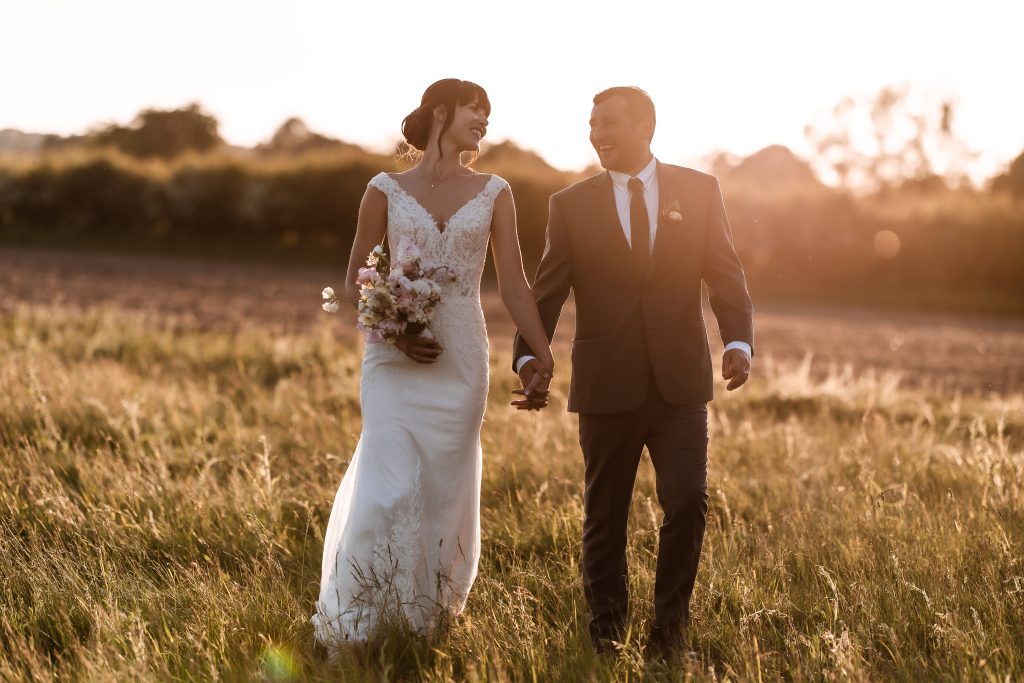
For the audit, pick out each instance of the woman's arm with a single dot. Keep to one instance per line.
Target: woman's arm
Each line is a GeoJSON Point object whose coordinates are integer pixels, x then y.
{"type": "Point", "coordinates": [515, 290]}
{"type": "Point", "coordinates": [371, 227]}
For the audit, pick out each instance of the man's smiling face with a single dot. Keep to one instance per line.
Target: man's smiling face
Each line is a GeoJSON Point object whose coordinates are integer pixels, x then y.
{"type": "Point", "coordinates": [622, 142]}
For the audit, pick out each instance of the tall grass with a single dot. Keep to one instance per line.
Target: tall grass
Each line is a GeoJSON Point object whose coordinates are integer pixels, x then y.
{"type": "Point", "coordinates": [164, 491]}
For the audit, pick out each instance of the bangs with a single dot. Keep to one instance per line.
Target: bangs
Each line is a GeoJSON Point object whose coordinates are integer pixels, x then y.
{"type": "Point", "coordinates": [470, 93]}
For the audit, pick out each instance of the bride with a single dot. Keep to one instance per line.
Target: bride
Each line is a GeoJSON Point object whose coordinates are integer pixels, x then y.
{"type": "Point", "coordinates": [403, 538]}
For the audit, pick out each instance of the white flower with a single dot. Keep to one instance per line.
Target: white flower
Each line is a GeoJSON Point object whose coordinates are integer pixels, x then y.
{"type": "Point", "coordinates": [407, 252]}
{"type": "Point", "coordinates": [328, 293]}
{"type": "Point", "coordinates": [331, 306]}
{"type": "Point", "coordinates": [378, 250]}
{"type": "Point", "coordinates": [672, 211]}
{"type": "Point", "coordinates": [422, 287]}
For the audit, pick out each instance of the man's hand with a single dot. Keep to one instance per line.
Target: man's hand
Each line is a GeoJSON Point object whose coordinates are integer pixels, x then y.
{"type": "Point", "coordinates": [535, 379]}
{"type": "Point", "coordinates": [735, 368]}
{"type": "Point", "coordinates": [420, 349]}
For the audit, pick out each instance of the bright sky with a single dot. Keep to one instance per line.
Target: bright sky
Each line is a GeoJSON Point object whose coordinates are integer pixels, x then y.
{"type": "Point", "coordinates": [725, 75]}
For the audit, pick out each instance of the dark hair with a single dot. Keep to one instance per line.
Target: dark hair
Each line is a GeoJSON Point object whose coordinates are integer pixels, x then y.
{"type": "Point", "coordinates": [638, 102]}
{"type": "Point", "coordinates": [448, 93]}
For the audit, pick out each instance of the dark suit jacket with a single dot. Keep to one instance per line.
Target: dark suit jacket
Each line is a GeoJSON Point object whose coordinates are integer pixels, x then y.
{"type": "Point", "coordinates": [629, 323]}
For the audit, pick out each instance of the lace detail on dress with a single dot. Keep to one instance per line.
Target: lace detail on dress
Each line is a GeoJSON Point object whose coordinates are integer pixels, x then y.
{"type": "Point", "coordinates": [384, 588]}
{"type": "Point", "coordinates": [463, 242]}
{"type": "Point", "coordinates": [395, 556]}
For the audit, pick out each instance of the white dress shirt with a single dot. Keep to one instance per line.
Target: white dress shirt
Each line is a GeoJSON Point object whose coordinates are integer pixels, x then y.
{"type": "Point", "coordinates": [620, 187]}
{"type": "Point", "coordinates": [648, 175]}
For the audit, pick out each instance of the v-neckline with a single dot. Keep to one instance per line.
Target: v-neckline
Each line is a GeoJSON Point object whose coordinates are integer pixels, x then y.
{"type": "Point", "coordinates": [440, 226]}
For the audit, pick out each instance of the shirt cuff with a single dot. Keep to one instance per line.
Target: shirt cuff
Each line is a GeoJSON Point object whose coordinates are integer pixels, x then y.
{"type": "Point", "coordinates": [523, 360]}
{"type": "Point", "coordinates": [742, 346]}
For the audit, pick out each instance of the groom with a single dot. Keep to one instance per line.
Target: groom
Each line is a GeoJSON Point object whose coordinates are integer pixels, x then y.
{"type": "Point", "coordinates": [634, 245]}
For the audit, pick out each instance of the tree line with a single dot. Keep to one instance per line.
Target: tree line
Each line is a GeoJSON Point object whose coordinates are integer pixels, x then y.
{"type": "Point", "coordinates": [167, 183]}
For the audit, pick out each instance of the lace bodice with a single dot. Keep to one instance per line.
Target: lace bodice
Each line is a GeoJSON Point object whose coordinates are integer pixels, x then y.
{"type": "Point", "coordinates": [463, 242]}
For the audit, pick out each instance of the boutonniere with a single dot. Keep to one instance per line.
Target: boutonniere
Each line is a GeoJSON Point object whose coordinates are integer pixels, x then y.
{"type": "Point", "coordinates": [671, 213]}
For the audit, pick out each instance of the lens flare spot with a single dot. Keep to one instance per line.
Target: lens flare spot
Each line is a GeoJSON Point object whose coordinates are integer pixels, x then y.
{"type": "Point", "coordinates": [278, 664]}
{"type": "Point", "coordinates": [887, 244]}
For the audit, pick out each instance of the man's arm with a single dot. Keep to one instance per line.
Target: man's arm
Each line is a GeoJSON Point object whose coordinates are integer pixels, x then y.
{"type": "Point", "coordinates": [742, 346]}
{"type": "Point", "coordinates": [727, 292]}
{"type": "Point", "coordinates": [723, 274]}
{"type": "Point", "coordinates": [523, 360]}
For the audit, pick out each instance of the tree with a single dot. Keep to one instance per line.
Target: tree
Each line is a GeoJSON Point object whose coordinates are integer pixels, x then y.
{"type": "Point", "coordinates": [773, 170]}
{"type": "Point", "coordinates": [294, 137]}
{"type": "Point", "coordinates": [891, 138]}
{"type": "Point", "coordinates": [1013, 180]}
{"type": "Point", "coordinates": [508, 158]}
{"type": "Point", "coordinates": [163, 133]}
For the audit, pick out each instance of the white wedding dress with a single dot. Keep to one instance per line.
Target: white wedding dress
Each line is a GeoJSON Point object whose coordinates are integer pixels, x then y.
{"type": "Point", "coordinates": [404, 534]}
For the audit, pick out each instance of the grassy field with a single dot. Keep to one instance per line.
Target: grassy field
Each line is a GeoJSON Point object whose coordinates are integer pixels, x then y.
{"type": "Point", "coordinates": [939, 352]}
{"type": "Point", "coordinates": [164, 488]}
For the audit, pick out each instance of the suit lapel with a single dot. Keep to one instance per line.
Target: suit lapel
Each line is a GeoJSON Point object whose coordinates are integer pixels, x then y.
{"type": "Point", "coordinates": [667, 232]}
{"type": "Point", "coordinates": [609, 228]}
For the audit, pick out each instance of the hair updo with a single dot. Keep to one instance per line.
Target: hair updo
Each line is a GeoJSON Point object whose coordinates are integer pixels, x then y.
{"type": "Point", "coordinates": [448, 93]}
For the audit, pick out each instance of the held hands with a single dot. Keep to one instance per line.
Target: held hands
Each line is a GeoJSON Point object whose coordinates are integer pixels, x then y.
{"type": "Point", "coordinates": [735, 368]}
{"type": "Point", "coordinates": [420, 349]}
{"type": "Point", "coordinates": [536, 378]}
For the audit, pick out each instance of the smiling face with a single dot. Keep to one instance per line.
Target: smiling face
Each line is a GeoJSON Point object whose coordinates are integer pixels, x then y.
{"type": "Point", "coordinates": [468, 127]}
{"type": "Point", "coordinates": [621, 139]}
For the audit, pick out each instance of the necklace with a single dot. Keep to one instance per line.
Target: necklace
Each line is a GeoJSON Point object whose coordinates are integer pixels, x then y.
{"type": "Point", "coordinates": [434, 180]}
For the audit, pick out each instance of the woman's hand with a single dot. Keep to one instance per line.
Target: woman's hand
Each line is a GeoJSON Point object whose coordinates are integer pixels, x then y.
{"type": "Point", "coordinates": [420, 349]}
{"type": "Point", "coordinates": [535, 378]}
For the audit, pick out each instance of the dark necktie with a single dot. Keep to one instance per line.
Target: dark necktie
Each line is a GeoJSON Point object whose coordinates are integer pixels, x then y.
{"type": "Point", "coordinates": [639, 224]}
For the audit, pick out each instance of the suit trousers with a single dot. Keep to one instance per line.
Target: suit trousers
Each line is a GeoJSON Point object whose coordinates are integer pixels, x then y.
{"type": "Point", "coordinates": [676, 437]}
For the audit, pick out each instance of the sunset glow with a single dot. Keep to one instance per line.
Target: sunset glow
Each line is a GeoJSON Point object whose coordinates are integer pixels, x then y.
{"type": "Point", "coordinates": [730, 76]}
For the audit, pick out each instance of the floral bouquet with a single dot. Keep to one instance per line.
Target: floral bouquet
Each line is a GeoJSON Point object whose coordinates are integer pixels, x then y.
{"type": "Point", "coordinates": [401, 303]}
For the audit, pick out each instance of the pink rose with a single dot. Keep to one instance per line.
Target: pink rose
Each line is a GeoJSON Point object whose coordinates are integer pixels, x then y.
{"type": "Point", "coordinates": [366, 276]}
{"type": "Point", "coordinates": [392, 326]}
